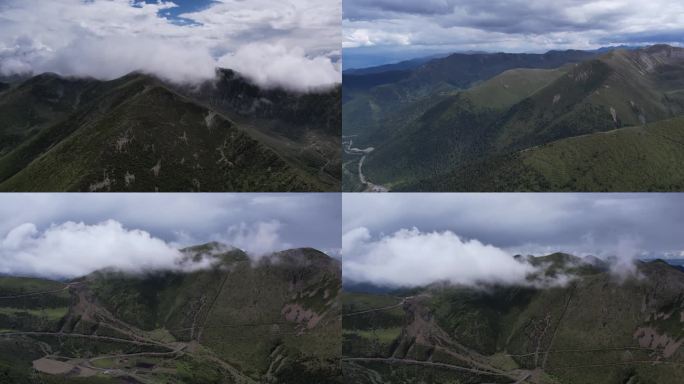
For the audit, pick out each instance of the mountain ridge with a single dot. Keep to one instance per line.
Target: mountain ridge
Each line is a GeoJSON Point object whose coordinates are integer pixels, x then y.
{"type": "Point", "coordinates": [418, 139]}
{"type": "Point", "coordinates": [68, 112]}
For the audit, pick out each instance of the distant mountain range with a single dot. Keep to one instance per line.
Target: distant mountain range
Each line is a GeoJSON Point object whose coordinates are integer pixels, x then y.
{"type": "Point", "coordinates": [139, 133]}
{"type": "Point", "coordinates": [594, 329]}
{"type": "Point", "coordinates": [239, 321]}
{"type": "Point", "coordinates": [416, 62]}
{"type": "Point", "coordinates": [605, 120]}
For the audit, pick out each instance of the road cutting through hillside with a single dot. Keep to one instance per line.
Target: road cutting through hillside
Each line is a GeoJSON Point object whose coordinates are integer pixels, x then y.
{"type": "Point", "coordinates": [137, 337]}
{"type": "Point", "coordinates": [392, 360]}
{"type": "Point", "coordinates": [84, 336]}
{"type": "Point", "coordinates": [400, 304]}
{"type": "Point", "coordinates": [581, 351]}
{"type": "Point", "coordinates": [30, 294]}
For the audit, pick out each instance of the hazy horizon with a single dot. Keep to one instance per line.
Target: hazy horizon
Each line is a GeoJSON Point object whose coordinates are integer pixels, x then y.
{"type": "Point", "coordinates": [376, 29]}
{"type": "Point", "coordinates": [373, 59]}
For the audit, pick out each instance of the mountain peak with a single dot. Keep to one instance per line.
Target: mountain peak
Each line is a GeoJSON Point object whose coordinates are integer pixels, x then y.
{"type": "Point", "coordinates": [659, 48]}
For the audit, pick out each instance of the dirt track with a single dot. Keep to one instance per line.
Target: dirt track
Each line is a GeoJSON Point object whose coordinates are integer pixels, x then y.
{"type": "Point", "coordinates": [400, 304]}
{"type": "Point", "coordinates": [66, 287]}
{"type": "Point", "coordinates": [391, 360]}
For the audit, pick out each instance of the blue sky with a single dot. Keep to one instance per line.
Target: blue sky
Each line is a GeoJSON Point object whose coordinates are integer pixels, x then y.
{"type": "Point", "coordinates": [183, 6]}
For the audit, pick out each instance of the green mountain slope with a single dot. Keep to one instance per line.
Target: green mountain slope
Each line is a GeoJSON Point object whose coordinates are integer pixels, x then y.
{"type": "Point", "coordinates": [456, 71]}
{"type": "Point", "coordinates": [275, 321]}
{"type": "Point", "coordinates": [464, 132]}
{"type": "Point", "coordinates": [137, 133]}
{"type": "Point", "coordinates": [628, 159]}
{"type": "Point", "coordinates": [510, 87]}
{"type": "Point", "coordinates": [455, 129]}
{"type": "Point", "coordinates": [38, 103]}
{"type": "Point", "coordinates": [621, 88]}
{"type": "Point", "coordinates": [596, 329]}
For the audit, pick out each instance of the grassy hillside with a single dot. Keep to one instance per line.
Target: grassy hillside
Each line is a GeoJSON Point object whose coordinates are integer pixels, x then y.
{"type": "Point", "coordinates": [385, 96]}
{"type": "Point", "coordinates": [271, 321]}
{"type": "Point", "coordinates": [628, 159]}
{"type": "Point", "coordinates": [595, 329]}
{"type": "Point", "coordinates": [456, 128]}
{"type": "Point", "coordinates": [454, 139]}
{"type": "Point", "coordinates": [508, 88]}
{"type": "Point", "coordinates": [139, 134]}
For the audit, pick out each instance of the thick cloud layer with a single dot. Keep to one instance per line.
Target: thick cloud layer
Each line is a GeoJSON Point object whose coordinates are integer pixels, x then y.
{"type": "Point", "coordinates": [275, 65]}
{"type": "Point", "coordinates": [74, 249]}
{"type": "Point", "coordinates": [417, 27]}
{"type": "Point", "coordinates": [379, 245]}
{"type": "Point", "coordinates": [264, 39]}
{"type": "Point", "coordinates": [69, 234]}
{"type": "Point", "coordinates": [409, 257]}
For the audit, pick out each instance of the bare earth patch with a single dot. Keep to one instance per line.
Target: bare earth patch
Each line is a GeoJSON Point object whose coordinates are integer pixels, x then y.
{"type": "Point", "coordinates": [298, 314]}
{"type": "Point", "coordinates": [650, 338]}
{"type": "Point", "coordinates": [52, 367]}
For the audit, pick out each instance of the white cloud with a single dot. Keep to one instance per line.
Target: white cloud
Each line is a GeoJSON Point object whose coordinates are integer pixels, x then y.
{"type": "Point", "coordinates": [529, 223]}
{"type": "Point", "coordinates": [510, 25]}
{"type": "Point", "coordinates": [410, 257]}
{"type": "Point", "coordinates": [257, 239]}
{"type": "Point", "coordinates": [617, 228]}
{"type": "Point", "coordinates": [271, 65]}
{"type": "Point", "coordinates": [173, 61]}
{"type": "Point", "coordinates": [363, 37]}
{"type": "Point", "coordinates": [74, 249]}
{"type": "Point", "coordinates": [626, 253]}
{"type": "Point", "coordinates": [106, 39]}
{"type": "Point", "coordinates": [184, 219]}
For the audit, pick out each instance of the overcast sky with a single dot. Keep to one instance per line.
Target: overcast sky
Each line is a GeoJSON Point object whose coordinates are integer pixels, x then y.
{"type": "Point", "coordinates": [419, 238]}
{"type": "Point", "coordinates": [73, 234]}
{"type": "Point", "coordinates": [381, 31]}
{"type": "Point", "coordinates": [290, 43]}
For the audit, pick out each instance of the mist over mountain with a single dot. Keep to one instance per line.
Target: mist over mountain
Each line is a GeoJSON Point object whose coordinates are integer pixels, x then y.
{"type": "Point", "coordinates": [593, 329]}
{"type": "Point", "coordinates": [70, 249]}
